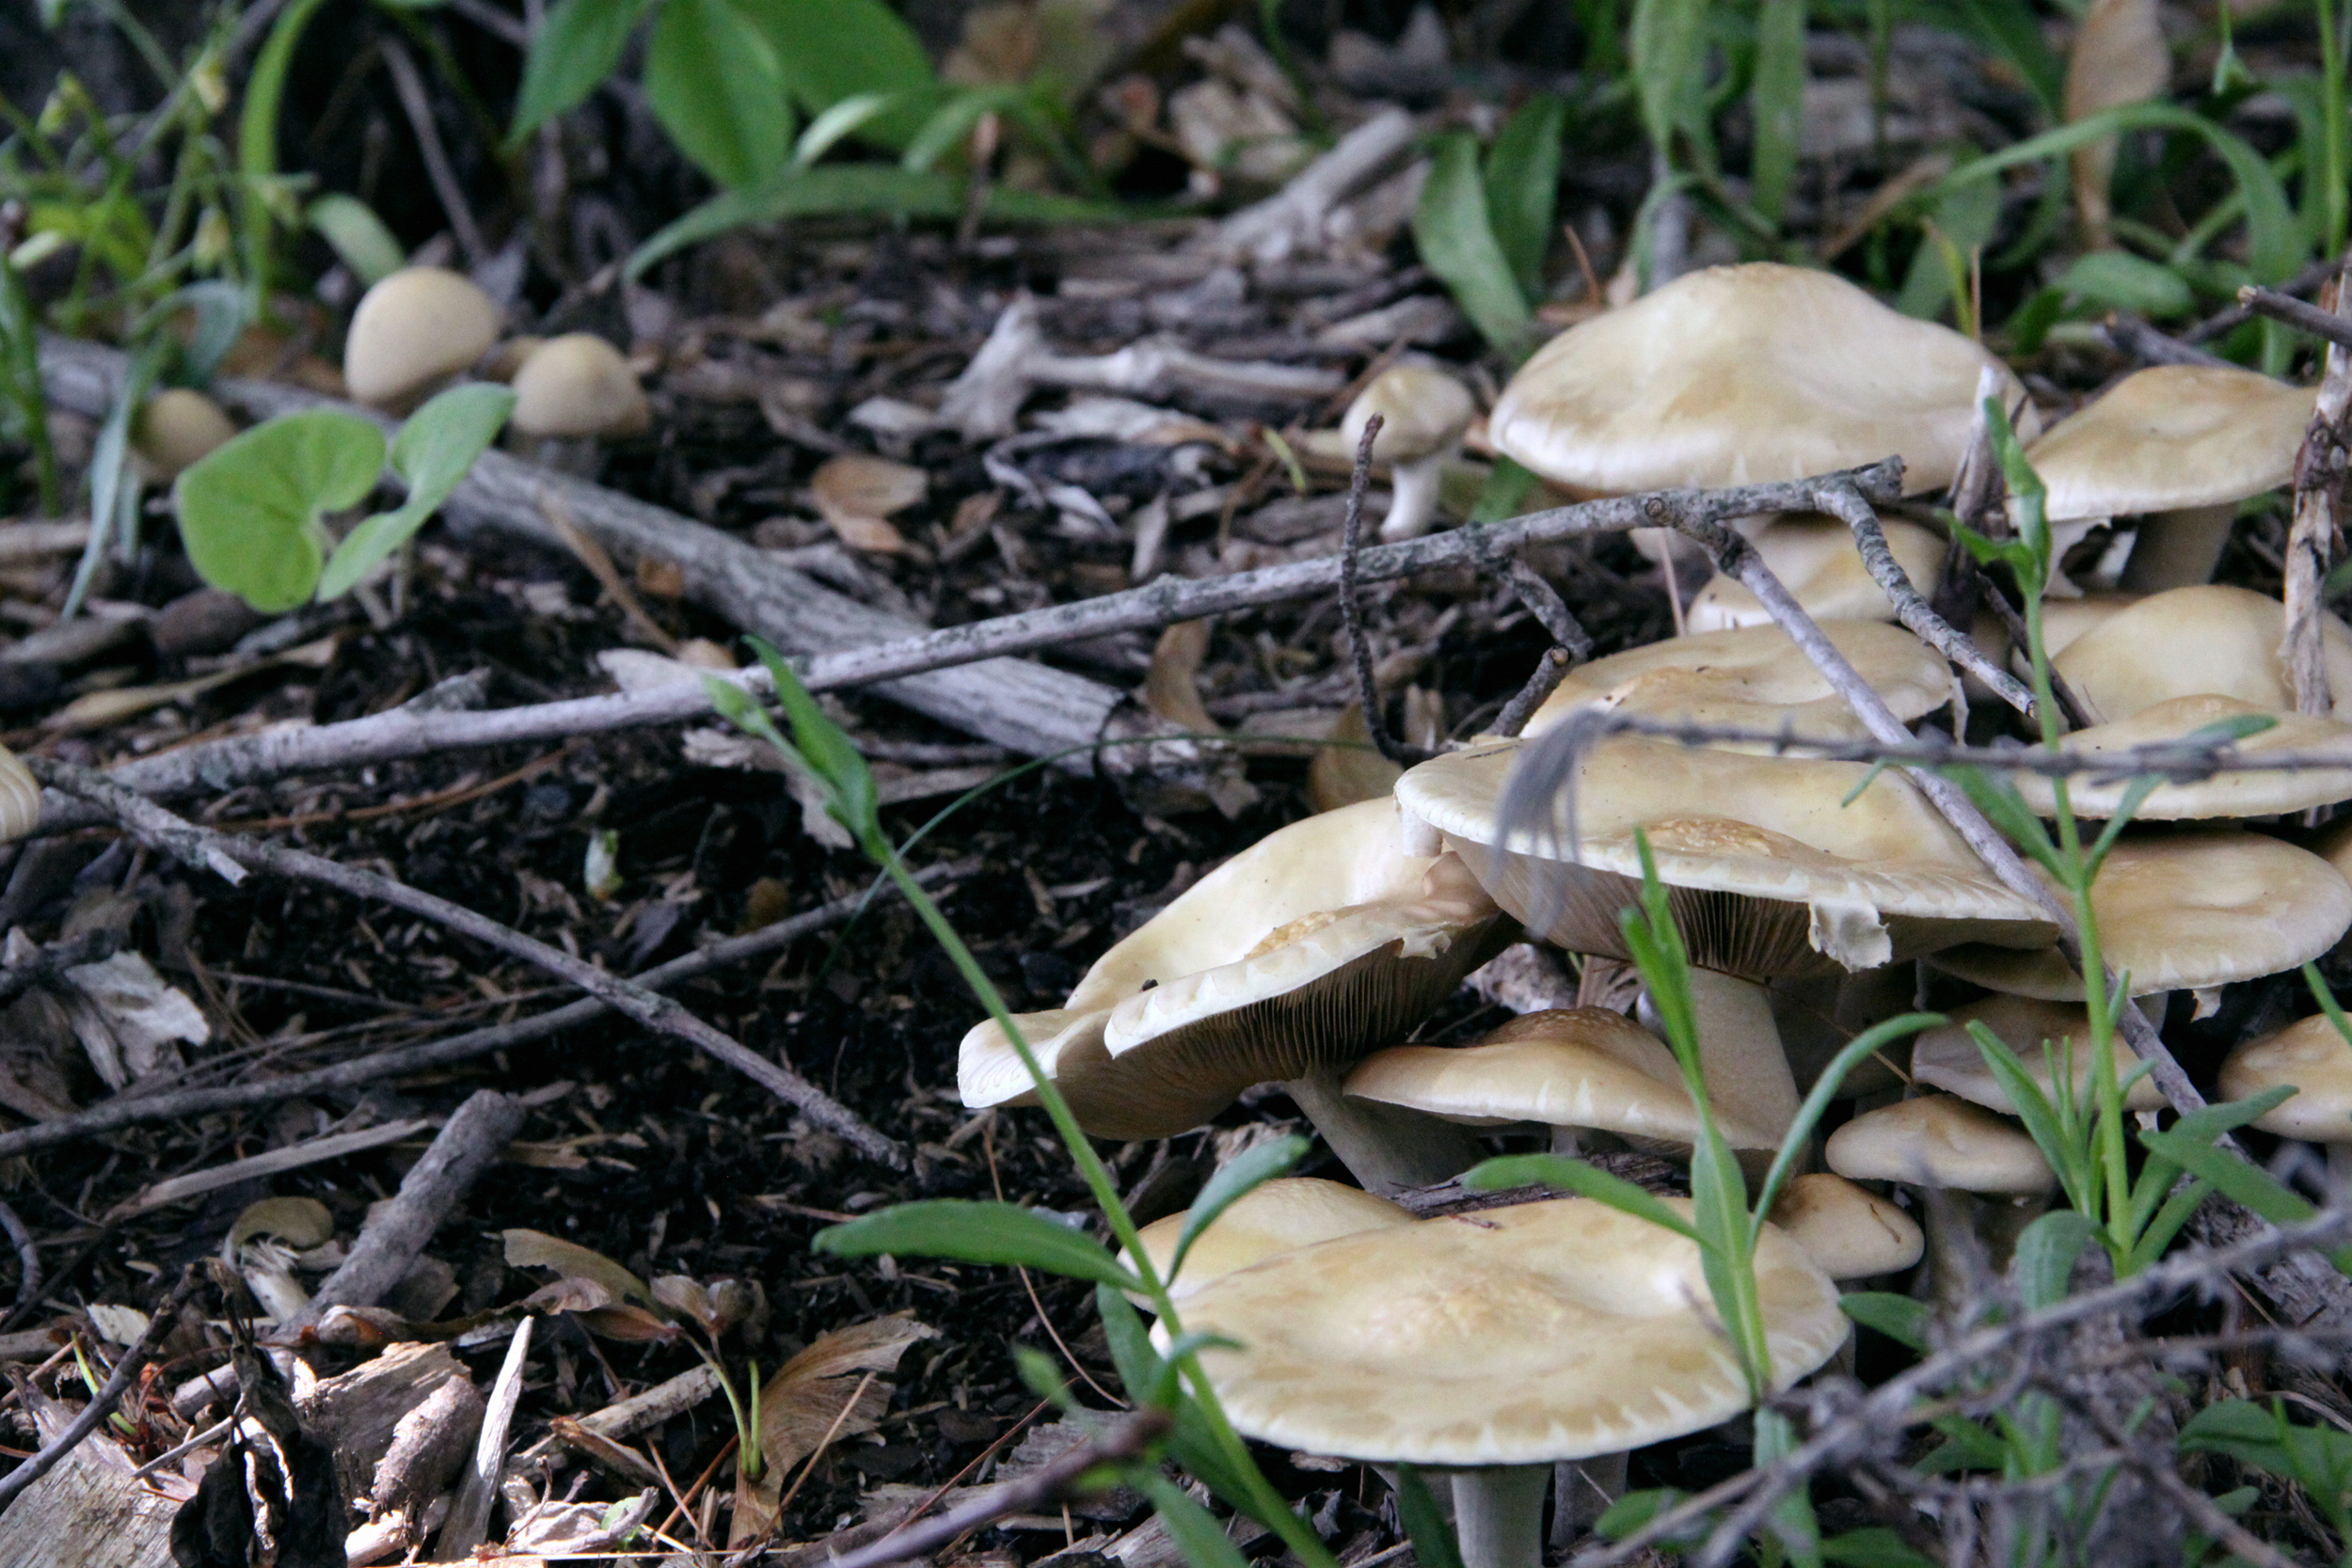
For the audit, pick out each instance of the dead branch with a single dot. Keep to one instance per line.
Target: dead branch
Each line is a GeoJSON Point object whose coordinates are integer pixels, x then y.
{"type": "Point", "coordinates": [126, 1370]}
{"type": "Point", "coordinates": [1352, 607]}
{"type": "Point", "coordinates": [2323, 496]}
{"type": "Point", "coordinates": [1922, 621]}
{"type": "Point", "coordinates": [2304, 317]}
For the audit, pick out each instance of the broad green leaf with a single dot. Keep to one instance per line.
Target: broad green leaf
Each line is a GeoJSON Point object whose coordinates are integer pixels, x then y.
{"type": "Point", "coordinates": [1523, 186]}
{"type": "Point", "coordinates": [2043, 1261]}
{"type": "Point", "coordinates": [1557, 1170]}
{"type": "Point", "coordinates": [1900, 1318]}
{"type": "Point", "coordinates": [577, 47]}
{"type": "Point", "coordinates": [713, 82]}
{"type": "Point", "coordinates": [830, 50]}
{"type": "Point", "coordinates": [1198, 1535]}
{"type": "Point", "coordinates": [431, 453]}
{"type": "Point", "coordinates": [1425, 1524]}
{"type": "Point", "coordinates": [1873, 1546]}
{"type": "Point", "coordinates": [1669, 48]}
{"type": "Point", "coordinates": [1776, 103]}
{"type": "Point", "coordinates": [1235, 1180]}
{"type": "Point", "coordinates": [249, 510]}
{"type": "Point", "coordinates": [1457, 242]}
{"type": "Point", "coordinates": [843, 118]}
{"type": "Point", "coordinates": [976, 1233]}
{"type": "Point", "coordinates": [357, 237]}
{"type": "Point", "coordinates": [2121, 281]}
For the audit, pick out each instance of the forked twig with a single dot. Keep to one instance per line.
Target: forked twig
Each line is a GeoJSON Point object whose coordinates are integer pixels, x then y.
{"type": "Point", "coordinates": [1352, 610]}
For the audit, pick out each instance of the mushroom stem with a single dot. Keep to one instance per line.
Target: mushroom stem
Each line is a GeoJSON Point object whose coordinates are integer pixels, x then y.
{"type": "Point", "coordinates": [2178, 550]}
{"type": "Point", "coordinates": [1741, 1057]}
{"type": "Point", "coordinates": [1499, 1515]}
{"type": "Point", "coordinates": [1387, 1147]}
{"type": "Point", "coordinates": [1412, 498]}
{"type": "Point", "coordinates": [2339, 1170]}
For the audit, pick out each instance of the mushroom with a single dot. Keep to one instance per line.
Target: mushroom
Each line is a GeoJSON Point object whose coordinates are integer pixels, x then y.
{"type": "Point", "coordinates": [176, 427]}
{"type": "Point", "coordinates": [2313, 1057]}
{"type": "Point", "coordinates": [1850, 1231]}
{"type": "Point", "coordinates": [2178, 446]}
{"type": "Point", "coordinates": [2252, 792]}
{"type": "Point", "coordinates": [577, 387]}
{"type": "Point", "coordinates": [1572, 1068]}
{"type": "Point", "coordinates": [1940, 1141]}
{"type": "Point", "coordinates": [1499, 1343]}
{"type": "Point", "coordinates": [20, 798]}
{"type": "Point", "coordinates": [1817, 560]}
{"type": "Point", "coordinates": [1422, 413]}
{"type": "Point", "coordinates": [1323, 942]}
{"type": "Point", "coordinates": [2215, 640]}
{"type": "Point", "coordinates": [414, 328]}
{"type": "Point", "coordinates": [1774, 866]}
{"type": "Point", "coordinates": [1272, 1217]}
{"type": "Point", "coordinates": [2041, 1034]}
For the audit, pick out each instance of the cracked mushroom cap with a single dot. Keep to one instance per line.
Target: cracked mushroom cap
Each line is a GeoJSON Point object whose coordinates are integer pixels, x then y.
{"type": "Point", "coordinates": [1938, 1140]}
{"type": "Point", "coordinates": [1423, 410]}
{"type": "Point", "coordinates": [1320, 942]}
{"type": "Point", "coordinates": [1273, 1217]}
{"type": "Point", "coordinates": [1946, 1057]}
{"type": "Point", "coordinates": [1771, 870]}
{"type": "Point", "coordinates": [579, 386]}
{"type": "Point", "coordinates": [1518, 1336]}
{"type": "Point", "coordinates": [1755, 678]}
{"type": "Point", "coordinates": [2184, 911]}
{"type": "Point", "coordinates": [1850, 1231]}
{"type": "Point", "coordinates": [1740, 376]}
{"type": "Point", "coordinates": [2236, 794]}
{"type": "Point", "coordinates": [2313, 1057]}
{"type": "Point", "coordinates": [413, 329]}
{"type": "Point", "coordinates": [2171, 437]}
{"type": "Point", "coordinates": [2215, 641]}
{"type": "Point", "coordinates": [1571, 1067]}
{"type": "Point", "coordinates": [1817, 560]}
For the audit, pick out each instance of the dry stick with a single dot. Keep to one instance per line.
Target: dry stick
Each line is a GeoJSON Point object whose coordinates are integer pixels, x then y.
{"type": "Point", "coordinates": [1352, 608]}
{"type": "Point", "coordinates": [1921, 620]}
{"type": "Point", "coordinates": [2297, 313]}
{"type": "Point", "coordinates": [194, 846]}
{"type": "Point", "coordinates": [2231, 317]}
{"type": "Point", "coordinates": [385, 1065]}
{"type": "Point", "coordinates": [165, 1318]}
{"type": "Point", "coordinates": [2323, 498]}
{"type": "Point", "coordinates": [28, 1255]}
{"type": "Point", "coordinates": [1572, 646]}
{"type": "Point", "coordinates": [2134, 338]}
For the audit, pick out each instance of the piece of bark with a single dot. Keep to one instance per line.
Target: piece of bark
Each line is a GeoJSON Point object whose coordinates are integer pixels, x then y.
{"type": "Point", "coordinates": [428, 1449]}
{"type": "Point", "coordinates": [470, 1515]}
{"type": "Point", "coordinates": [359, 1413]}
{"type": "Point", "coordinates": [87, 1512]}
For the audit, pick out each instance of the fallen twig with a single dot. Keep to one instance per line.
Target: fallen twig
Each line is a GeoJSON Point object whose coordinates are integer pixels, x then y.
{"type": "Point", "coordinates": [2323, 497]}
{"type": "Point", "coordinates": [126, 1370]}
{"type": "Point", "coordinates": [2299, 314]}
{"type": "Point", "coordinates": [1352, 608]}
{"type": "Point", "coordinates": [28, 1255]}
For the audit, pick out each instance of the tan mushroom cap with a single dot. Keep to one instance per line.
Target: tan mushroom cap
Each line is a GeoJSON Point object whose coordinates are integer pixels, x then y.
{"type": "Point", "coordinates": [2065, 620]}
{"type": "Point", "coordinates": [1318, 943]}
{"type": "Point", "coordinates": [1743, 374]}
{"type": "Point", "coordinates": [1817, 560]}
{"type": "Point", "coordinates": [1938, 1140]}
{"type": "Point", "coordinates": [1946, 1057]}
{"type": "Point", "coordinates": [1518, 1336]}
{"type": "Point", "coordinates": [1850, 1231]}
{"type": "Point", "coordinates": [175, 428]}
{"type": "Point", "coordinates": [1423, 410]}
{"type": "Point", "coordinates": [2313, 1057]}
{"type": "Point", "coordinates": [2182, 911]}
{"type": "Point", "coordinates": [579, 386]}
{"type": "Point", "coordinates": [413, 329]}
{"type": "Point", "coordinates": [2171, 437]}
{"type": "Point", "coordinates": [2209, 640]}
{"type": "Point", "coordinates": [1276, 1216]}
{"type": "Point", "coordinates": [20, 798]}
{"type": "Point", "coordinates": [1573, 1066]}
{"type": "Point", "coordinates": [1772, 872]}
{"type": "Point", "coordinates": [1755, 678]}
{"type": "Point", "coordinates": [2225, 794]}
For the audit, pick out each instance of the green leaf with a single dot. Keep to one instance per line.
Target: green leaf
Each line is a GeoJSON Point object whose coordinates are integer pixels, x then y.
{"type": "Point", "coordinates": [1900, 1318]}
{"type": "Point", "coordinates": [830, 50]}
{"type": "Point", "coordinates": [1635, 1510]}
{"type": "Point", "coordinates": [827, 749]}
{"type": "Point", "coordinates": [257, 129]}
{"type": "Point", "coordinates": [433, 453]}
{"type": "Point", "coordinates": [713, 82]}
{"type": "Point", "coordinates": [1457, 242]}
{"type": "Point", "coordinates": [577, 47]}
{"type": "Point", "coordinates": [1798, 1141]}
{"type": "Point", "coordinates": [843, 119]}
{"type": "Point", "coordinates": [1776, 103]}
{"type": "Point", "coordinates": [976, 1233]}
{"type": "Point", "coordinates": [1503, 494]}
{"type": "Point", "coordinates": [357, 237]}
{"type": "Point", "coordinates": [1506, 1171]}
{"type": "Point", "coordinates": [2121, 281]}
{"type": "Point", "coordinates": [1043, 1378]}
{"type": "Point", "coordinates": [1425, 1524]}
{"type": "Point", "coordinates": [1792, 1520]}
{"type": "Point", "coordinates": [1130, 1342]}
{"type": "Point", "coordinates": [1669, 48]}
{"type": "Point", "coordinates": [218, 312]}
{"type": "Point", "coordinates": [1198, 1535]}
{"type": "Point", "coordinates": [1523, 186]}
{"type": "Point", "coordinates": [2013, 28]}
{"type": "Point", "coordinates": [2043, 1261]}
{"type": "Point", "coordinates": [945, 127]}
{"type": "Point", "coordinates": [1873, 1546]}
{"type": "Point", "coordinates": [1235, 1180]}
{"type": "Point", "coordinates": [249, 510]}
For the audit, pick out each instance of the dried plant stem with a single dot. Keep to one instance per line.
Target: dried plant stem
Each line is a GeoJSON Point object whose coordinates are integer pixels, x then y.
{"type": "Point", "coordinates": [1352, 608]}
{"type": "Point", "coordinates": [2322, 496]}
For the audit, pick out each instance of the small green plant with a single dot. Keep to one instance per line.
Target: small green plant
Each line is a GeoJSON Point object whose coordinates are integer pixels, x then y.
{"type": "Point", "coordinates": [1485, 226]}
{"type": "Point", "coordinates": [252, 513]}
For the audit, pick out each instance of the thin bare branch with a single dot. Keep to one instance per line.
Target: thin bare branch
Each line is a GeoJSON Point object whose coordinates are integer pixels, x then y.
{"type": "Point", "coordinates": [126, 1370]}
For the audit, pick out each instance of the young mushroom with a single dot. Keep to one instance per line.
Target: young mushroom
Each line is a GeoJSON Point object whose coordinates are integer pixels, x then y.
{"type": "Point", "coordinates": [578, 386]}
{"type": "Point", "coordinates": [1850, 1231]}
{"type": "Point", "coordinates": [413, 331]}
{"type": "Point", "coordinates": [2217, 641]}
{"type": "Point", "coordinates": [1276, 1217]}
{"type": "Point", "coordinates": [1940, 1141]}
{"type": "Point", "coordinates": [1422, 413]}
{"type": "Point", "coordinates": [175, 428]}
{"type": "Point", "coordinates": [2312, 1057]}
{"type": "Point", "coordinates": [1497, 1344]}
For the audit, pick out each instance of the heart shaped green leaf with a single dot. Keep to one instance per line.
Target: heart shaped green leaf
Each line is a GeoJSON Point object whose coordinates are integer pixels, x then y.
{"type": "Point", "coordinates": [249, 512]}
{"type": "Point", "coordinates": [434, 451]}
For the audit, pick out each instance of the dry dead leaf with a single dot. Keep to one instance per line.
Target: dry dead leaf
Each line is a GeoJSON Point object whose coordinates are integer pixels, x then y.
{"type": "Point", "coordinates": [2119, 56]}
{"type": "Point", "coordinates": [536, 1249]}
{"type": "Point", "coordinates": [1172, 690]}
{"type": "Point", "coordinates": [1343, 775]}
{"type": "Point", "coordinates": [811, 1396]}
{"type": "Point", "coordinates": [856, 495]}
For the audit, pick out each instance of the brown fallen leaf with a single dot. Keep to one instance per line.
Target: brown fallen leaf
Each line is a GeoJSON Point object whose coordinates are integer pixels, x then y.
{"type": "Point", "coordinates": [1172, 690]}
{"type": "Point", "coordinates": [1343, 775]}
{"type": "Point", "coordinates": [856, 495]}
{"type": "Point", "coordinates": [829, 1388]}
{"type": "Point", "coordinates": [2119, 56]}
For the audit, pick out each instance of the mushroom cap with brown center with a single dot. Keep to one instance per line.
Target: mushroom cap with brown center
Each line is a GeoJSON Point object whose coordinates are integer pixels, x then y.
{"type": "Point", "coordinates": [1518, 1336]}
{"type": "Point", "coordinates": [1939, 1140]}
{"type": "Point", "coordinates": [1572, 1066]}
{"type": "Point", "coordinates": [413, 329]}
{"type": "Point", "coordinates": [1850, 1231]}
{"type": "Point", "coordinates": [1817, 562]}
{"type": "Point", "coordinates": [1423, 410]}
{"type": "Point", "coordinates": [1740, 375]}
{"type": "Point", "coordinates": [1946, 1057]}
{"type": "Point", "coordinates": [2171, 437]}
{"type": "Point", "coordinates": [579, 386]}
{"type": "Point", "coordinates": [2312, 1057]}
{"type": "Point", "coordinates": [1273, 1217]}
{"type": "Point", "coordinates": [2255, 792]}
{"type": "Point", "coordinates": [2185, 911]}
{"type": "Point", "coordinates": [2207, 640]}
{"type": "Point", "coordinates": [1753, 677]}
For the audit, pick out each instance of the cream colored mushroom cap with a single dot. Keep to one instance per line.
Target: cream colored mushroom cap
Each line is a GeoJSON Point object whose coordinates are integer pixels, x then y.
{"type": "Point", "coordinates": [1740, 376]}
{"type": "Point", "coordinates": [2209, 640]}
{"type": "Point", "coordinates": [2065, 620]}
{"type": "Point", "coordinates": [1276, 1216]}
{"type": "Point", "coordinates": [411, 330]}
{"type": "Point", "coordinates": [1817, 560]}
{"type": "Point", "coordinates": [2311, 1055]}
{"type": "Point", "coordinates": [1423, 410]}
{"type": "Point", "coordinates": [175, 428]}
{"type": "Point", "coordinates": [1753, 677]}
{"type": "Point", "coordinates": [2171, 437]}
{"type": "Point", "coordinates": [1571, 1067]}
{"type": "Point", "coordinates": [20, 798]}
{"type": "Point", "coordinates": [2255, 793]}
{"type": "Point", "coordinates": [1822, 880]}
{"type": "Point", "coordinates": [2182, 911]}
{"type": "Point", "coordinates": [1518, 1336]}
{"type": "Point", "coordinates": [1850, 1231]}
{"type": "Point", "coordinates": [1946, 1057]}
{"type": "Point", "coordinates": [1938, 1140]}
{"type": "Point", "coordinates": [578, 386]}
